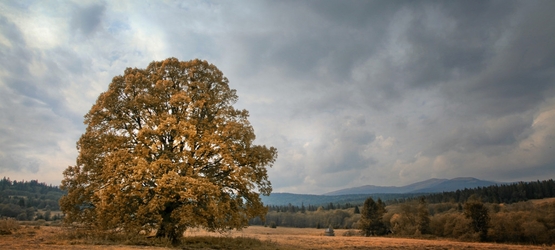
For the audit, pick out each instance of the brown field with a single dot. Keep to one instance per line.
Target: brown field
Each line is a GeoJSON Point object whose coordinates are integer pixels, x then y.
{"type": "Point", "coordinates": [543, 201]}
{"type": "Point", "coordinates": [280, 238]}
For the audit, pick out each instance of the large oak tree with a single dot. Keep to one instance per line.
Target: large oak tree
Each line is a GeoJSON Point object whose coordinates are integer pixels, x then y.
{"type": "Point", "coordinates": [165, 150]}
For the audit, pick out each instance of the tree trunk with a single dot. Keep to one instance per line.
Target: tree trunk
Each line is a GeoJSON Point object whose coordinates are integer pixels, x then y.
{"type": "Point", "coordinates": [168, 229]}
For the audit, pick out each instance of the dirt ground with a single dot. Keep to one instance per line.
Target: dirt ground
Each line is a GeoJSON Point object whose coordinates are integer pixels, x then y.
{"type": "Point", "coordinates": [45, 237]}
{"type": "Point", "coordinates": [284, 238]}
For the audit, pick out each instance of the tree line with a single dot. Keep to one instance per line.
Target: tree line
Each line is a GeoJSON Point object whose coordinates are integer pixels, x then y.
{"type": "Point", "coordinates": [28, 200]}
{"type": "Point", "coordinates": [503, 193]}
{"type": "Point", "coordinates": [530, 222]}
{"type": "Point", "coordinates": [311, 208]}
{"type": "Point", "coordinates": [470, 214]}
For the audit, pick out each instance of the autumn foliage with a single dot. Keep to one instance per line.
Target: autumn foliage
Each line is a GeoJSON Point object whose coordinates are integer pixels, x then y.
{"type": "Point", "coordinates": [164, 150]}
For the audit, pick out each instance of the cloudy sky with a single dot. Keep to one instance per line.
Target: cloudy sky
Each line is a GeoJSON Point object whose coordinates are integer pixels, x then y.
{"type": "Point", "coordinates": [350, 92]}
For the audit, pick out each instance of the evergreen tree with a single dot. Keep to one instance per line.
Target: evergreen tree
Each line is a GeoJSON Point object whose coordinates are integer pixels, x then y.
{"type": "Point", "coordinates": [478, 213]}
{"type": "Point", "coordinates": [423, 217]}
{"type": "Point", "coordinates": [371, 220]}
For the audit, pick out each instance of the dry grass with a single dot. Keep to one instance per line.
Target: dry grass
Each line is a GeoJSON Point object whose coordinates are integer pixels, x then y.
{"type": "Point", "coordinates": [308, 238]}
{"type": "Point", "coordinates": [256, 237]}
{"type": "Point", "coordinates": [45, 237]}
{"type": "Point", "coordinates": [543, 201]}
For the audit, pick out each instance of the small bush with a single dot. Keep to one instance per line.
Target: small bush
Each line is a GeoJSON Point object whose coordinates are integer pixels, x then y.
{"type": "Point", "coordinates": [8, 226]}
{"type": "Point", "coordinates": [273, 224]}
{"type": "Point", "coordinates": [352, 233]}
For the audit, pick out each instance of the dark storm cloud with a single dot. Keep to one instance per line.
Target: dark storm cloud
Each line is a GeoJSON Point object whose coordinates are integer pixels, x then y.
{"type": "Point", "coordinates": [460, 77]}
{"type": "Point", "coordinates": [491, 137]}
{"type": "Point", "coordinates": [511, 76]}
{"type": "Point", "coordinates": [499, 52]}
{"type": "Point", "coordinates": [448, 40]}
{"type": "Point", "coordinates": [525, 70]}
{"type": "Point", "coordinates": [445, 42]}
{"type": "Point", "coordinates": [355, 14]}
{"type": "Point", "coordinates": [300, 37]}
{"type": "Point", "coordinates": [87, 18]}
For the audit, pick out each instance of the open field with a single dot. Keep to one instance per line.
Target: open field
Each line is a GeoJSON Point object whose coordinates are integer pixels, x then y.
{"type": "Point", "coordinates": [309, 238]}
{"type": "Point", "coordinates": [543, 201]}
{"type": "Point", "coordinates": [280, 238]}
{"type": "Point", "coordinates": [29, 237]}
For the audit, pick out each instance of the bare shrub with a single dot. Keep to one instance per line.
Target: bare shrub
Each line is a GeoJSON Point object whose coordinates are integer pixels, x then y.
{"type": "Point", "coordinates": [8, 226]}
{"type": "Point", "coordinates": [353, 233]}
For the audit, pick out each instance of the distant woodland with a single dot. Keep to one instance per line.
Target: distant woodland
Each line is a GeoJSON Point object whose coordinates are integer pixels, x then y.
{"type": "Point", "coordinates": [29, 200]}
{"type": "Point", "coordinates": [516, 213]}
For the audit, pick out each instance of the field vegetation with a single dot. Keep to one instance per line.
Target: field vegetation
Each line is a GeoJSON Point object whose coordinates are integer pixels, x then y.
{"type": "Point", "coordinates": [527, 222]}
{"type": "Point", "coordinates": [469, 215]}
{"type": "Point", "coordinates": [253, 237]}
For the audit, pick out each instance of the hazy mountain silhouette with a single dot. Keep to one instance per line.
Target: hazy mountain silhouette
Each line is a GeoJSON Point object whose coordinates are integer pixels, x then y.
{"type": "Point", "coordinates": [357, 195]}
{"type": "Point", "coordinates": [427, 186]}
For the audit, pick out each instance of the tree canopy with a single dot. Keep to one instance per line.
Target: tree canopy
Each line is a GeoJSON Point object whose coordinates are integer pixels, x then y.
{"type": "Point", "coordinates": [371, 220]}
{"type": "Point", "coordinates": [165, 150]}
{"type": "Point", "coordinates": [478, 213]}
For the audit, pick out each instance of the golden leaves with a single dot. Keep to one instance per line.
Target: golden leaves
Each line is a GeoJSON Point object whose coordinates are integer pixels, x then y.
{"type": "Point", "coordinates": [164, 147]}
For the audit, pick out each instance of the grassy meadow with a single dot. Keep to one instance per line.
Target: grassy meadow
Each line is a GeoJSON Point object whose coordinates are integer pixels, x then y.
{"type": "Point", "coordinates": [254, 237]}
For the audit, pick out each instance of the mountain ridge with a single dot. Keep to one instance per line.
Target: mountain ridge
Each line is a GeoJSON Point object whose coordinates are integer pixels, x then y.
{"type": "Point", "coordinates": [433, 185]}
{"type": "Point", "coordinates": [357, 195]}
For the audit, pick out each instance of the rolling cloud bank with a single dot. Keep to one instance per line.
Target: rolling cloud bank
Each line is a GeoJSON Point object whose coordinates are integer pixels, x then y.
{"type": "Point", "coordinates": [350, 92]}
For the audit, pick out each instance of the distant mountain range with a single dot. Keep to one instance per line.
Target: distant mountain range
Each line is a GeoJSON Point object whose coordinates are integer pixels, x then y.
{"type": "Point", "coordinates": [359, 194]}
{"type": "Point", "coordinates": [283, 199]}
{"type": "Point", "coordinates": [427, 186]}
